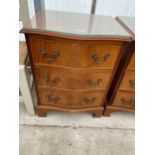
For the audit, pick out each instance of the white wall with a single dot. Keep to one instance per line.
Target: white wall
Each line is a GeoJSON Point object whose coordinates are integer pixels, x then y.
{"type": "Point", "coordinates": [83, 6]}
{"type": "Point", "coordinates": [31, 14]}
{"type": "Point", "coordinates": [31, 8]}
{"type": "Point", "coordinates": [21, 36]}
{"type": "Point", "coordinates": [103, 7]}
{"type": "Point", "coordinates": [116, 7]}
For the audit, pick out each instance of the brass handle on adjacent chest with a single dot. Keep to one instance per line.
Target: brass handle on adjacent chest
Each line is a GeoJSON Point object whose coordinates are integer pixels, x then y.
{"type": "Point", "coordinates": [54, 81]}
{"type": "Point", "coordinates": [95, 57]}
{"type": "Point", "coordinates": [51, 57]}
{"type": "Point", "coordinates": [94, 83]}
{"type": "Point", "coordinates": [89, 101]}
{"type": "Point", "coordinates": [130, 102]}
{"type": "Point", "coordinates": [132, 82]}
{"type": "Point", "coordinates": [49, 99]}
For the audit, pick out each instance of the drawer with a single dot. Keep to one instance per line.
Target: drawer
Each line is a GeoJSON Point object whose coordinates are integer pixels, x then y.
{"type": "Point", "coordinates": [132, 62]}
{"type": "Point", "coordinates": [75, 53]}
{"type": "Point", "coordinates": [124, 99]}
{"type": "Point", "coordinates": [65, 98]}
{"type": "Point", "coordinates": [53, 52]}
{"type": "Point", "coordinates": [72, 79]}
{"type": "Point", "coordinates": [128, 82]}
{"type": "Point", "coordinates": [99, 54]}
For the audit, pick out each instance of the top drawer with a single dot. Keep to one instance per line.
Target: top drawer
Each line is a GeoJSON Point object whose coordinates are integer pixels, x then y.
{"type": "Point", "coordinates": [79, 54]}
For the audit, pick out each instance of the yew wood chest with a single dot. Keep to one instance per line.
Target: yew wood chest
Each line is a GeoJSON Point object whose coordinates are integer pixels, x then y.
{"type": "Point", "coordinates": [74, 58]}
{"type": "Point", "coordinates": [121, 95]}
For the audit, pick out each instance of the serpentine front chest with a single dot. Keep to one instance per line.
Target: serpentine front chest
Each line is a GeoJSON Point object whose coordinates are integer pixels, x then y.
{"type": "Point", "coordinates": [74, 58]}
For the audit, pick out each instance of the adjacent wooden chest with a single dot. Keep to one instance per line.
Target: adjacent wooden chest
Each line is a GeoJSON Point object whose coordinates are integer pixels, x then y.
{"type": "Point", "coordinates": [121, 96]}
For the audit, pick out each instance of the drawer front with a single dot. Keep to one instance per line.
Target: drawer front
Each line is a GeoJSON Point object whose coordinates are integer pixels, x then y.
{"type": "Point", "coordinates": [75, 53]}
{"type": "Point", "coordinates": [132, 62]}
{"type": "Point", "coordinates": [53, 52]}
{"type": "Point", "coordinates": [128, 82]}
{"type": "Point", "coordinates": [99, 54]}
{"type": "Point", "coordinates": [124, 99]}
{"type": "Point", "coordinates": [60, 78]}
{"type": "Point", "coordinates": [64, 98]}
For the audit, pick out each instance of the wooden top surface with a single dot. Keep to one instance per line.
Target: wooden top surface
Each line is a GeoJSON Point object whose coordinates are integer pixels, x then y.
{"type": "Point", "coordinates": [74, 24]}
{"type": "Point", "coordinates": [128, 23]}
{"type": "Point", "coordinates": [22, 52]}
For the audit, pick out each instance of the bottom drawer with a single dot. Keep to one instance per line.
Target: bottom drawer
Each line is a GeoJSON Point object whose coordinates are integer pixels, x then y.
{"type": "Point", "coordinates": [68, 98]}
{"type": "Point", "coordinates": [124, 99]}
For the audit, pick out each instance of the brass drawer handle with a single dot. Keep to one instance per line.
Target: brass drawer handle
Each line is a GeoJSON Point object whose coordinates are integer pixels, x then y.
{"type": "Point", "coordinates": [54, 81]}
{"type": "Point", "coordinates": [132, 82]}
{"type": "Point", "coordinates": [89, 101]}
{"type": "Point", "coordinates": [130, 102]}
{"type": "Point", "coordinates": [49, 99]}
{"type": "Point", "coordinates": [95, 83]}
{"type": "Point", "coordinates": [51, 57]}
{"type": "Point", "coordinates": [96, 57]}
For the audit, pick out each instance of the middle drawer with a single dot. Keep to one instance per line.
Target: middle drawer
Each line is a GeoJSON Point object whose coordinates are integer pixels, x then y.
{"type": "Point", "coordinates": [128, 81]}
{"type": "Point", "coordinates": [72, 79]}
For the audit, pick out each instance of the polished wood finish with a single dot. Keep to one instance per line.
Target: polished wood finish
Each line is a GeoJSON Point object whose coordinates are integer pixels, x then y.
{"type": "Point", "coordinates": [110, 109]}
{"type": "Point", "coordinates": [131, 65]}
{"type": "Point", "coordinates": [121, 83]}
{"type": "Point", "coordinates": [69, 98]}
{"type": "Point", "coordinates": [72, 79]}
{"type": "Point", "coordinates": [70, 51]}
{"type": "Point", "coordinates": [124, 99]}
{"type": "Point", "coordinates": [128, 81]}
{"type": "Point", "coordinates": [73, 72]}
{"type": "Point", "coordinates": [69, 72]}
{"type": "Point", "coordinates": [42, 110]}
{"type": "Point", "coordinates": [69, 36]}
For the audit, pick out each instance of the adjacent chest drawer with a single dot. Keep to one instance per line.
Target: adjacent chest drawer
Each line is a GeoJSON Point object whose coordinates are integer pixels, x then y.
{"type": "Point", "coordinates": [128, 81]}
{"type": "Point", "coordinates": [77, 54]}
{"type": "Point", "coordinates": [132, 62]}
{"type": "Point", "coordinates": [57, 97]}
{"type": "Point", "coordinates": [124, 99]}
{"type": "Point", "coordinates": [72, 79]}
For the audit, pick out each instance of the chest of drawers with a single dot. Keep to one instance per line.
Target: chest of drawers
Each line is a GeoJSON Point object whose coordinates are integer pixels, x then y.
{"type": "Point", "coordinates": [121, 97]}
{"type": "Point", "coordinates": [74, 58]}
